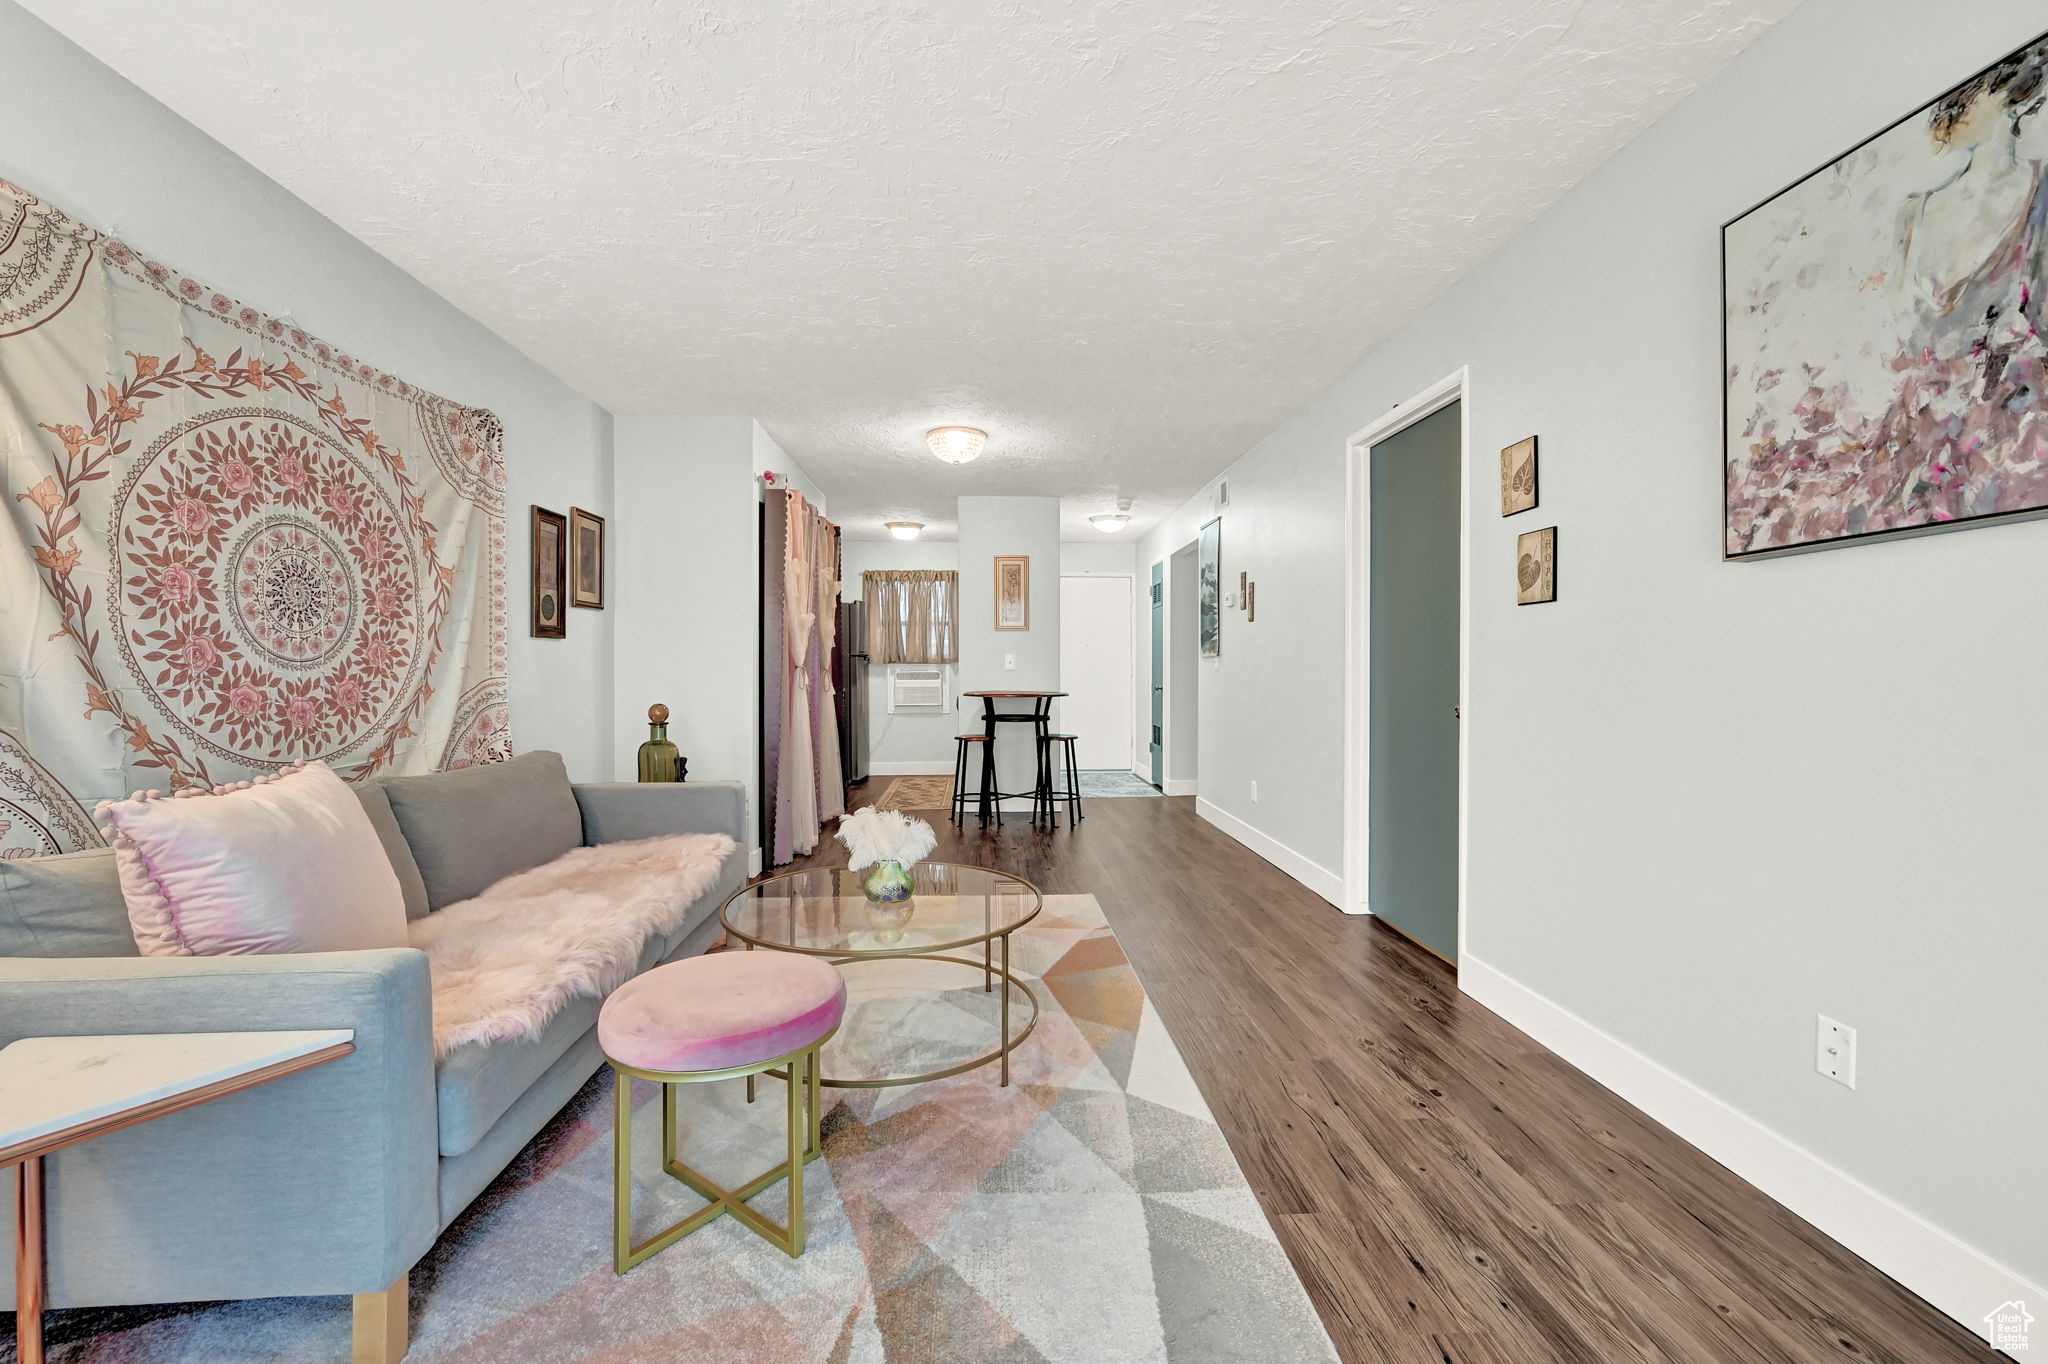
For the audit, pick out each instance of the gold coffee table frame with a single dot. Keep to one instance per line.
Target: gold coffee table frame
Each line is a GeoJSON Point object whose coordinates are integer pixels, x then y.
{"type": "Point", "coordinates": [994, 965]}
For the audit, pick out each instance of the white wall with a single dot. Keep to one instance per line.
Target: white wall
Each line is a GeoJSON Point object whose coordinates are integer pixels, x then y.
{"type": "Point", "coordinates": [691, 637]}
{"type": "Point", "coordinates": [83, 138]}
{"type": "Point", "coordinates": [1707, 800]}
{"type": "Point", "coordinates": [1098, 556]}
{"type": "Point", "coordinates": [899, 744]}
{"type": "Point", "coordinates": [687, 534]}
{"type": "Point", "coordinates": [992, 526]}
{"type": "Point", "coordinates": [769, 455]}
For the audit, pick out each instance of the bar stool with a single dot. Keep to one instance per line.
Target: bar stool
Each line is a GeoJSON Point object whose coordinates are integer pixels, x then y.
{"type": "Point", "coordinates": [988, 778]}
{"type": "Point", "coordinates": [718, 1018]}
{"type": "Point", "coordinates": [1072, 795]}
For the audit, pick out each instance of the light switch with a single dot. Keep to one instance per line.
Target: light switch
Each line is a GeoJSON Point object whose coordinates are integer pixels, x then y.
{"type": "Point", "coordinates": [1009, 663]}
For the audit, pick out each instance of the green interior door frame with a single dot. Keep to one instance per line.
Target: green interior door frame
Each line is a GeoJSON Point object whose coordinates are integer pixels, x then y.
{"type": "Point", "coordinates": [1158, 673]}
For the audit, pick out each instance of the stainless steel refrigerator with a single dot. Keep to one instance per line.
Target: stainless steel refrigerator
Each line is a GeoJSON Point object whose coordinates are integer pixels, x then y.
{"type": "Point", "coordinates": [853, 691]}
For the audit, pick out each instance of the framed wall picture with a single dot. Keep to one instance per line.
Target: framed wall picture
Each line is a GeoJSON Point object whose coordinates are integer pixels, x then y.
{"type": "Point", "coordinates": [1518, 477]}
{"type": "Point", "coordinates": [1211, 569]}
{"type": "Point", "coordinates": [1883, 339]}
{"type": "Point", "coordinates": [586, 558]}
{"type": "Point", "coordinates": [1536, 567]}
{"type": "Point", "coordinates": [1013, 592]}
{"type": "Point", "coordinates": [550, 574]}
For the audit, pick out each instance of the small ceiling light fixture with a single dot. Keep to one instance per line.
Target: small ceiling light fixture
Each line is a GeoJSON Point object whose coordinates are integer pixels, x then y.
{"type": "Point", "coordinates": [1109, 523]}
{"type": "Point", "coordinates": [956, 444]}
{"type": "Point", "coordinates": [905, 530]}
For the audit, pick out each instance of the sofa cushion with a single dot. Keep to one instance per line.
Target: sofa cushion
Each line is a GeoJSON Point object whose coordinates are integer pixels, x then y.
{"type": "Point", "coordinates": [64, 906]}
{"type": "Point", "coordinates": [284, 863]}
{"type": "Point", "coordinates": [473, 827]}
{"type": "Point", "coordinates": [377, 806]}
{"type": "Point", "coordinates": [475, 1084]}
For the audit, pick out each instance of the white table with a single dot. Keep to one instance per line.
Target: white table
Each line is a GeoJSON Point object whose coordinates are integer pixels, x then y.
{"type": "Point", "coordinates": [59, 1091]}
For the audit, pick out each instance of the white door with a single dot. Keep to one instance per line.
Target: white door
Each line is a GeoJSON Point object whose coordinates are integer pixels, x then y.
{"type": "Point", "coordinates": [1095, 669]}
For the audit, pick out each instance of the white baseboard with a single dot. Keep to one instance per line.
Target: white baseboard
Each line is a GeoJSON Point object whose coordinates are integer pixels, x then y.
{"type": "Point", "coordinates": [1956, 1278]}
{"type": "Point", "coordinates": [1180, 786]}
{"type": "Point", "coordinates": [1319, 879]}
{"type": "Point", "coordinates": [910, 769]}
{"type": "Point", "coordinates": [1143, 775]}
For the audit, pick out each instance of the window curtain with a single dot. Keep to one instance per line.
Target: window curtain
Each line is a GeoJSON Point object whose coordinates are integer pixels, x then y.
{"type": "Point", "coordinates": [802, 785]}
{"type": "Point", "coordinates": [911, 614]}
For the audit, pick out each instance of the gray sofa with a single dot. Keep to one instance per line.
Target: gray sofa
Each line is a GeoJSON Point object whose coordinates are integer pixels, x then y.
{"type": "Point", "coordinates": [337, 1179]}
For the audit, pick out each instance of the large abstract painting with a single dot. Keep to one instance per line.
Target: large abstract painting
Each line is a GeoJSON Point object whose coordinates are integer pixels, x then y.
{"type": "Point", "coordinates": [225, 546]}
{"type": "Point", "coordinates": [1884, 360]}
{"type": "Point", "coordinates": [1209, 567]}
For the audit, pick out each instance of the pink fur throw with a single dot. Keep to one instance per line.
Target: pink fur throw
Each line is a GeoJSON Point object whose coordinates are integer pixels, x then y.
{"type": "Point", "coordinates": [506, 962]}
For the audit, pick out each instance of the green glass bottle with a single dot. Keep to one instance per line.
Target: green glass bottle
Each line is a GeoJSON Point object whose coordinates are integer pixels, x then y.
{"type": "Point", "coordinates": [659, 760]}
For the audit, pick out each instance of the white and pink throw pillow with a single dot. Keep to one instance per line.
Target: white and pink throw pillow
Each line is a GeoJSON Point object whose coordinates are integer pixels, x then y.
{"type": "Point", "coordinates": [285, 863]}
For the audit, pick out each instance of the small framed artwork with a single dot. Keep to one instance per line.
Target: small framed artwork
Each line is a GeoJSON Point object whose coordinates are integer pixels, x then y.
{"type": "Point", "coordinates": [1013, 592]}
{"type": "Point", "coordinates": [1518, 477]}
{"type": "Point", "coordinates": [550, 574]}
{"type": "Point", "coordinates": [1536, 567]}
{"type": "Point", "coordinates": [586, 558]}
{"type": "Point", "coordinates": [1210, 567]}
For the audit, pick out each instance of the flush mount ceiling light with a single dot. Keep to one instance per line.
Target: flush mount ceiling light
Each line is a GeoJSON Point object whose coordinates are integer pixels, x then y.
{"type": "Point", "coordinates": [956, 444]}
{"type": "Point", "coordinates": [905, 530]}
{"type": "Point", "coordinates": [1109, 523]}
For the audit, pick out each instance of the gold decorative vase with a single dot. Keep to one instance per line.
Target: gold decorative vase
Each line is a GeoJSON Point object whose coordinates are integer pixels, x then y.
{"type": "Point", "coordinates": [659, 759]}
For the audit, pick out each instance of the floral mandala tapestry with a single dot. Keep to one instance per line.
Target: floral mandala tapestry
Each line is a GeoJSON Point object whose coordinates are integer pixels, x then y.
{"type": "Point", "coordinates": [226, 545]}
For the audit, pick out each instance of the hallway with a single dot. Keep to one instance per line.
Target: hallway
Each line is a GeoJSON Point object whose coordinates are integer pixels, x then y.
{"type": "Point", "coordinates": [1448, 1189]}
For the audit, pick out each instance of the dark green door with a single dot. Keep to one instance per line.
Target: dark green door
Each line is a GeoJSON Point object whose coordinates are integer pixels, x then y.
{"type": "Point", "coordinates": [1412, 841]}
{"type": "Point", "coordinates": [1158, 672]}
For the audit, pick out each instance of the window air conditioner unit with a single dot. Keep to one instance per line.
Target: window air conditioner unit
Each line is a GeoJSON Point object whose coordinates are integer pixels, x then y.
{"type": "Point", "coordinates": [917, 689]}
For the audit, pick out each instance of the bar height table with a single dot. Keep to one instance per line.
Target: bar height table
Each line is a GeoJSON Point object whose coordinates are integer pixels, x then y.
{"type": "Point", "coordinates": [1039, 717]}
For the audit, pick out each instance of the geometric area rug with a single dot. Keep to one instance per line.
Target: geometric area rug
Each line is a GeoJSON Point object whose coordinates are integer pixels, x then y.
{"type": "Point", "coordinates": [1091, 1212]}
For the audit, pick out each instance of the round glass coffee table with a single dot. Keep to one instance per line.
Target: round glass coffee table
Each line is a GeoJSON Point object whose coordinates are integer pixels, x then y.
{"type": "Point", "coordinates": [825, 912]}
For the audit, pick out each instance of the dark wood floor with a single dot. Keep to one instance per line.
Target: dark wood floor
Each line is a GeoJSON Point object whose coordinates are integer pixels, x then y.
{"type": "Point", "coordinates": [1449, 1190]}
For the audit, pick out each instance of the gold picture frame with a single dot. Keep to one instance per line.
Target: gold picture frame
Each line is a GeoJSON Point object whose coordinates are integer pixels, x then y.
{"type": "Point", "coordinates": [1518, 477]}
{"type": "Point", "coordinates": [1536, 567]}
{"type": "Point", "coordinates": [1013, 592]}
{"type": "Point", "coordinates": [586, 559]}
{"type": "Point", "coordinates": [550, 554]}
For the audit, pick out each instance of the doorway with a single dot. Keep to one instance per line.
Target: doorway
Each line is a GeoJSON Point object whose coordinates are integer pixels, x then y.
{"type": "Point", "coordinates": [1406, 660]}
{"type": "Point", "coordinates": [1183, 672]}
{"type": "Point", "coordinates": [1095, 668]}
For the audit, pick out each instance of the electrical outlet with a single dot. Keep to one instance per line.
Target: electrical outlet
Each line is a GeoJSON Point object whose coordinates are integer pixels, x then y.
{"type": "Point", "coordinates": [1255, 793]}
{"type": "Point", "coordinates": [1834, 1051]}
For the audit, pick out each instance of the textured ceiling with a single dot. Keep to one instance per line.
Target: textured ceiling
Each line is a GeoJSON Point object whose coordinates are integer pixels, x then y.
{"type": "Point", "coordinates": [1126, 238]}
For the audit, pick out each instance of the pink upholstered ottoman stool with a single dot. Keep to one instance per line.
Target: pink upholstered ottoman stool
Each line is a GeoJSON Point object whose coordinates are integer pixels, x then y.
{"type": "Point", "coordinates": [717, 1018]}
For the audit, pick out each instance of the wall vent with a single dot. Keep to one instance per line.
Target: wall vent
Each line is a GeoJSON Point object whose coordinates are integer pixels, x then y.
{"type": "Point", "coordinates": [1222, 494]}
{"type": "Point", "coordinates": [917, 689]}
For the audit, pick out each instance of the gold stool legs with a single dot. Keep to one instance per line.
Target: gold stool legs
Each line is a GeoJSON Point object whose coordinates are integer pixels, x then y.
{"type": "Point", "coordinates": [805, 1144]}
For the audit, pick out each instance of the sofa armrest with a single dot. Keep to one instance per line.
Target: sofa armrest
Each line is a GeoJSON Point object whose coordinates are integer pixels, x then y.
{"type": "Point", "coordinates": [320, 1182]}
{"type": "Point", "coordinates": [621, 811]}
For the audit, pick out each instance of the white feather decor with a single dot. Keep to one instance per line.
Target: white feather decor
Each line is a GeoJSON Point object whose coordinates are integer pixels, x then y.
{"type": "Point", "coordinates": [873, 836]}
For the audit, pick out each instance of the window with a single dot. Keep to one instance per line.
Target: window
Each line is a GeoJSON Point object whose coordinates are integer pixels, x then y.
{"type": "Point", "coordinates": [910, 615]}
